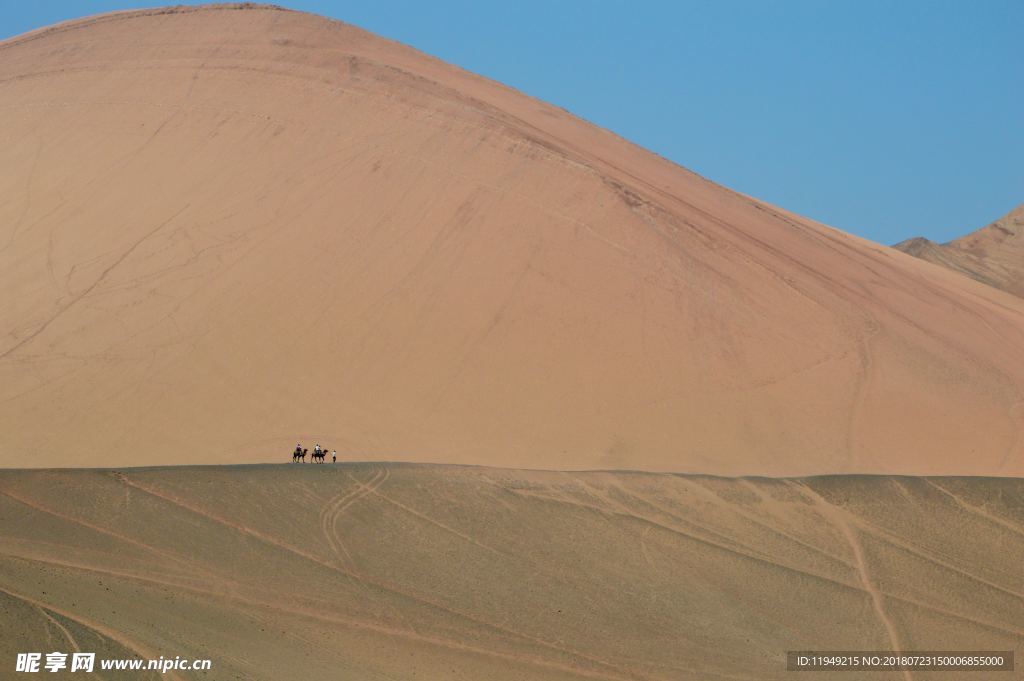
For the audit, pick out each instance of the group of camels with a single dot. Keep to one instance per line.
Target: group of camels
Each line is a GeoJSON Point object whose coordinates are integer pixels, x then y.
{"type": "Point", "coordinates": [319, 454]}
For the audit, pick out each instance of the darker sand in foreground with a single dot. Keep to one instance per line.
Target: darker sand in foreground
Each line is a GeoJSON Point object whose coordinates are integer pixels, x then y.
{"type": "Point", "coordinates": [394, 571]}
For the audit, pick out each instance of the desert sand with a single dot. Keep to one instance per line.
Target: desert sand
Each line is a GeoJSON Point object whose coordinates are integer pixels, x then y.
{"type": "Point", "coordinates": [223, 230]}
{"type": "Point", "coordinates": [226, 229]}
{"type": "Point", "coordinates": [993, 254]}
{"type": "Point", "coordinates": [390, 571]}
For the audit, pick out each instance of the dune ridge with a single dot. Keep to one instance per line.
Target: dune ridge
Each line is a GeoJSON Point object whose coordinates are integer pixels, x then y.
{"type": "Point", "coordinates": [993, 254]}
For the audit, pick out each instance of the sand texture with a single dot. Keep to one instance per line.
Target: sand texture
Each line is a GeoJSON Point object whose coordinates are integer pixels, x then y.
{"type": "Point", "coordinates": [223, 230]}
{"type": "Point", "coordinates": [391, 571]}
{"type": "Point", "coordinates": [993, 254]}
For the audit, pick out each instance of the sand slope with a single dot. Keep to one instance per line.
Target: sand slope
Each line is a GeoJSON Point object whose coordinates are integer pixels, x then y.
{"type": "Point", "coordinates": [370, 571]}
{"type": "Point", "coordinates": [993, 254]}
{"type": "Point", "coordinates": [223, 230]}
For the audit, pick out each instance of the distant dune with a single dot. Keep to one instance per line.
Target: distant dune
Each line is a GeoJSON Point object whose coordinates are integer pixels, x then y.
{"type": "Point", "coordinates": [993, 254]}
{"type": "Point", "coordinates": [223, 230]}
{"type": "Point", "coordinates": [386, 571]}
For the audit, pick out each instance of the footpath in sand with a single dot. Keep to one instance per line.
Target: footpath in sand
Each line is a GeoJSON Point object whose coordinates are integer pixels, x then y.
{"type": "Point", "coordinates": [394, 571]}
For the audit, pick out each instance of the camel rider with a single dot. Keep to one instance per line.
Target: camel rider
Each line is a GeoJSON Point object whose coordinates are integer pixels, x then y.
{"type": "Point", "coordinates": [317, 449]}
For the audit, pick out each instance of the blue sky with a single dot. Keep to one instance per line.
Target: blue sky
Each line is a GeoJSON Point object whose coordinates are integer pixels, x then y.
{"type": "Point", "coordinates": [887, 119]}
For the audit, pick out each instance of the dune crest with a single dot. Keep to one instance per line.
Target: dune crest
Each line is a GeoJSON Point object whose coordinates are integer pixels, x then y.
{"type": "Point", "coordinates": [993, 254]}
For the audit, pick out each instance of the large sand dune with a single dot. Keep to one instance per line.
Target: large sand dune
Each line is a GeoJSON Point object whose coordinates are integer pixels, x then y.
{"type": "Point", "coordinates": [383, 571]}
{"type": "Point", "coordinates": [223, 230]}
{"type": "Point", "coordinates": [993, 254]}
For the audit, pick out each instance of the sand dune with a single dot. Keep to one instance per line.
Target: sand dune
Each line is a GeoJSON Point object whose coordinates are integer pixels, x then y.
{"type": "Point", "coordinates": [223, 230]}
{"type": "Point", "coordinates": [228, 228]}
{"type": "Point", "coordinates": [993, 254]}
{"type": "Point", "coordinates": [374, 571]}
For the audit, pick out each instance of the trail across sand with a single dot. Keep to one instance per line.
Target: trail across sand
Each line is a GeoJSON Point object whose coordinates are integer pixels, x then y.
{"type": "Point", "coordinates": [600, 575]}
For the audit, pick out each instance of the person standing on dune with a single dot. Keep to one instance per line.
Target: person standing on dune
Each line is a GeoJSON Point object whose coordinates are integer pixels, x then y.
{"type": "Point", "coordinates": [334, 456]}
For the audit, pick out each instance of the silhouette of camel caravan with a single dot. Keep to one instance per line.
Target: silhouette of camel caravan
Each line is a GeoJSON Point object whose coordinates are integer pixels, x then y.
{"type": "Point", "coordinates": [319, 454]}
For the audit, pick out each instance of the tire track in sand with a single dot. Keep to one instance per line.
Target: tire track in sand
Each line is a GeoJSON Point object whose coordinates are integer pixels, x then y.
{"type": "Point", "coordinates": [336, 507]}
{"type": "Point", "coordinates": [117, 637]}
{"type": "Point", "coordinates": [838, 517]}
{"type": "Point", "coordinates": [329, 515]}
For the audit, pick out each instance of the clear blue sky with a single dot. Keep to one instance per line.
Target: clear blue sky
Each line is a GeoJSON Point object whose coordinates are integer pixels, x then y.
{"type": "Point", "coordinates": [887, 118]}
